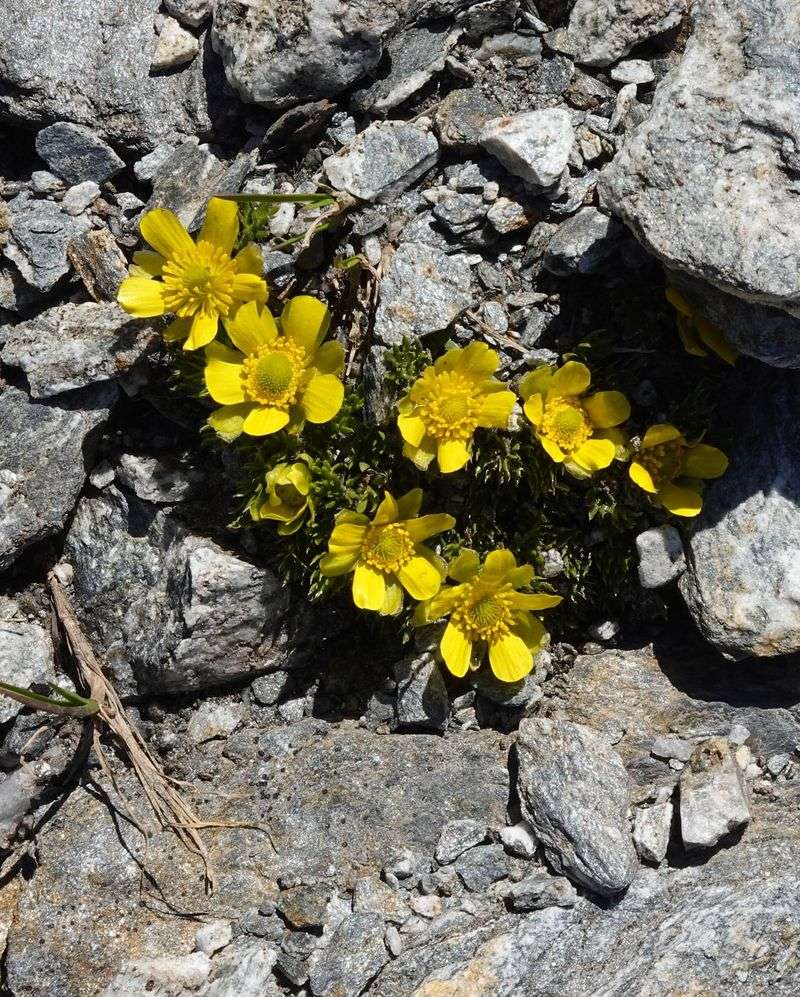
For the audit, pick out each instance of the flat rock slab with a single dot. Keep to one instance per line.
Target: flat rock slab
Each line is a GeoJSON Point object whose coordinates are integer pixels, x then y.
{"type": "Point", "coordinates": [708, 180]}
{"type": "Point", "coordinates": [574, 792]}
{"type": "Point", "coordinates": [71, 346]}
{"type": "Point", "coordinates": [75, 153]}
{"type": "Point", "coordinates": [46, 450]}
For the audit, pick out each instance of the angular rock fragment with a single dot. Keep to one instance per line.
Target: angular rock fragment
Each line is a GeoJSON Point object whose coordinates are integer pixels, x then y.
{"type": "Point", "coordinates": [661, 557]}
{"type": "Point", "coordinates": [479, 867]}
{"type": "Point", "coordinates": [175, 46]}
{"type": "Point", "coordinates": [461, 117]}
{"type": "Point", "coordinates": [713, 799]}
{"type": "Point", "coordinates": [38, 238]}
{"type": "Point", "coordinates": [540, 890]}
{"type": "Point", "coordinates": [98, 261]}
{"type": "Point", "coordinates": [353, 957]}
{"type": "Point", "coordinates": [651, 830]}
{"type": "Point", "coordinates": [602, 31]}
{"type": "Point", "coordinates": [75, 153]}
{"type": "Point", "coordinates": [574, 793]}
{"type": "Point", "coordinates": [422, 699]}
{"type": "Point", "coordinates": [583, 243]}
{"type": "Point", "coordinates": [534, 145]}
{"type": "Point", "coordinates": [192, 13]}
{"type": "Point", "coordinates": [456, 837]}
{"type": "Point", "coordinates": [26, 656]}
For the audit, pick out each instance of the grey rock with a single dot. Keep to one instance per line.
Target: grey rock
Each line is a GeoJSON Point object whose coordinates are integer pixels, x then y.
{"type": "Point", "coordinates": [244, 970]}
{"type": "Point", "coordinates": [192, 13]}
{"type": "Point", "coordinates": [583, 243]}
{"type": "Point", "coordinates": [672, 747]}
{"type": "Point", "coordinates": [460, 212]}
{"type": "Point", "coordinates": [46, 449]}
{"type": "Point", "coordinates": [214, 720]}
{"type": "Point", "coordinates": [185, 180]}
{"type": "Point", "coordinates": [175, 47]}
{"type": "Point", "coordinates": [701, 197]}
{"type": "Point", "coordinates": [511, 695]}
{"type": "Point", "coordinates": [213, 936]}
{"type": "Point", "coordinates": [479, 867]}
{"type": "Point", "coordinates": [280, 56]}
{"type": "Point", "coordinates": [540, 890]}
{"type": "Point", "coordinates": [168, 609]}
{"type": "Point", "coordinates": [456, 837]}
{"type": "Point", "coordinates": [738, 734]}
{"type": "Point", "coordinates": [507, 216]}
{"type": "Point", "coordinates": [155, 481]}
{"type": "Point", "coordinates": [423, 291]}
{"type": "Point", "coordinates": [80, 197]}
{"type": "Point", "coordinates": [415, 56]}
{"type": "Point", "coordinates": [38, 238]}
{"type": "Point", "coordinates": [574, 793]}
{"type": "Point", "coordinates": [72, 346]}
{"type": "Point", "coordinates": [777, 763]}
{"type": "Point", "coordinates": [742, 585]}
{"type": "Point", "coordinates": [602, 31]}
{"type": "Point", "coordinates": [661, 557]}
{"type": "Point", "coordinates": [148, 166]}
{"type": "Point", "coordinates": [372, 896]}
{"type": "Point", "coordinates": [534, 145]}
{"type": "Point", "coordinates": [422, 699]}
{"type": "Point", "coordinates": [519, 840]}
{"type": "Point", "coordinates": [461, 117]}
{"type": "Point", "coordinates": [394, 943]}
{"type": "Point", "coordinates": [651, 831]}
{"type": "Point", "coordinates": [633, 71]}
{"type": "Point", "coordinates": [26, 657]}
{"type": "Point", "coordinates": [306, 907]}
{"type": "Point", "coordinates": [99, 263]}
{"type": "Point", "coordinates": [43, 182]}
{"type": "Point", "coordinates": [162, 976]}
{"type": "Point", "coordinates": [713, 799]}
{"type": "Point", "coordinates": [354, 956]}
{"type": "Point", "coordinates": [75, 153]}
{"type": "Point", "coordinates": [385, 159]}
{"type": "Point", "coordinates": [116, 97]}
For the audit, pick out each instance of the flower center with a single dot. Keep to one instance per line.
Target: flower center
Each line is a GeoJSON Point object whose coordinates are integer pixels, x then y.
{"type": "Point", "coordinates": [274, 375]}
{"type": "Point", "coordinates": [483, 615]}
{"type": "Point", "coordinates": [388, 548]}
{"type": "Point", "coordinates": [199, 279]}
{"type": "Point", "coordinates": [450, 410]}
{"type": "Point", "coordinates": [566, 423]}
{"type": "Point", "coordinates": [664, 462]}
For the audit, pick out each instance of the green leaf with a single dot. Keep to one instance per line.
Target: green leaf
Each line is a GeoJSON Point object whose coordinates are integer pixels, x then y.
{"type": "Point", "coordinates": [66, 703]}
{"type": "Point", "coordinates": [311, 200]}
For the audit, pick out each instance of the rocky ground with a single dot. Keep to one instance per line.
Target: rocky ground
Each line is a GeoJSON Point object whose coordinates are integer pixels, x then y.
{"type": "Point", "coordinates": [625, 821]}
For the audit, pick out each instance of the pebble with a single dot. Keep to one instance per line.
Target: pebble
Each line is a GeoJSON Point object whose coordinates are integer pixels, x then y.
{"type": "Point", "coordinates": [78, 198]}
{"type": "Point", "coordinates": [44, 182]}
{"type": "Point", "coordinates": [713, 801]}
{"type": "Point", "coordinates": [175, 47]}
{"type": "Point", "coordinates": [394, 942]}
{"type": "Point", "coordinates": [456, 837]}
{"type": "Point", "coordinates": [507, 216]}
{"type": "Point", "coordinates": [661, 556]}
{"type": "Point", "coordinates": [651, 830]}
{"type": "Point", "coordinates": [212, 937]}
{"type": "Point", "coordinates": [534, 145]}
{"type": "Point", "coordinates": [519, 840]}
{"type": "Point", "coordinates": [738, 734]}
{"type": "Point", "coordinates": [541, 890]}
{"type": "Point", "coordinates": [777, 763]}
{"type": "Point", "coordinates": [633, 71]}
{"type": "Point", "coordinates": [672, 747]}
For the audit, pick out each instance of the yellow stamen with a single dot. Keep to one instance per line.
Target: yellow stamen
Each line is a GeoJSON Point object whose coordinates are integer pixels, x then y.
{"type": "Point", "coordinates": [566, 423]}
{"type": "Point", "coordinates": [483, 614]}
{"type": "Point", "coordinates": [664, 462]}
{"type": "Point", "coordinates": [388, 548]}
{"type": "Point", "coordinates": [450, 412]}
{"type": "Point", "coordinates": [275, 374]}
{"type": "Point", "coordinates": [200, 278]}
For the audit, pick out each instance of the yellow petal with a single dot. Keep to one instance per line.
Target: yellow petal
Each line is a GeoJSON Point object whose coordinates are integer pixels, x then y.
{"type": "Point", "coordinates": [553, 450]}
{"type": "Point", "coordinates": [535, 601]}
{"type": "Point", "coordinates": [393, 598]}
{"type": "Point", "coordinates": [151, 263]}
{"type": "Point", "coordinates": [333, 565]}
{"type": "Point", "coordinates": [520, 576]}
{"type": "Point", "coordinates": [177, 330]}
{"type": "Point", "coordinates": [420, 578]}
{"type": "Point", "coordinates": [500, 562]}
{"type": "Point", "coordinates": [408, 505]}
{"type": "Point", "coordinates": [680, 501]}
{"type": "Point", "coordinates": [346, 538]}
{"type": "Point", "coordinates": [640, 476]}
{"type": "Point", "coordinates": [329, 358]}
{"type": "Point", "coordinates": [687, 330]}
{"type": "Point", "coordinates": [221, 225]}
{"type": "Point", "coordinates": [677, 300]}
{"type": "Point", "coordinates": [369, 588]}
{"type": "Point", "coordinates": [141, 297]}
{"type": "Point", "coordinates": [228, 421]}
{"type": "Point", "coordinates": [264, 420]}
{"type": "Point", "coordinates": [223, 374]}
{"type": "Point", "coordinates": [428, 526]}
{"type": "Point", "coordinates": [440, 605]}
{"type": "Point", "coordinates": [412, 429]}
{"type": "Point", "coordinates": [305, 320]}
{"type": "Point", "coordinates": [715, 340]}
{"type": "Point", "coordinates": [203, 330]}
{"type": "Point", "coordinates": [536, 382]}
{"type": "Point", "coordinates": [607, 408]}
{"type": "Point", "coordinates": [248, 287]}
{"type": "Point", "coordinates": [534, 409]}
{"type": "Point", "coordinates": [495, 409]}
{"type": "Point", "coordinates": [571, 379]}
{"type": "Point", "coordinates": [322, 398]}
{"type": "Point", "coordinates": [161, 228]}
{"type": "Point", "coordinates": [530, 630]}
{"type": "Point", "coordinates": [251, 327]}
{"type": "Point", "coordinates": [476, 359]}
{"type": "Point", "coordinates": [465, 566]}
{"type": "Point", "coordinates": [387, 511]}
{"type": "Point", "coordinates": [249, 260]}
{"type": "Point", "coordinates": [702, 461]}
{"type": "Point", "coordinates": [452, 455]}
{"type": "Point", "coordinates": [421, 455]}
{"type": "Point", "coordinates": [594, 455]}
{"type": "Point", "coordinates": [662, 432]}
{"type": "Point", "coordinates": [456, 650]}
{"type": "Point", "coordinates": [510, 658]}
{"type": "Point", "coordinates": [618, 438]}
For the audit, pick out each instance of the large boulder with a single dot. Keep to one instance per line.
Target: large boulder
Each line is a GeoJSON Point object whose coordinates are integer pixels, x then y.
{"type": "Point", "coordinates": [742, 585]}
{"type": "Point", "coordinates": [708, 181]}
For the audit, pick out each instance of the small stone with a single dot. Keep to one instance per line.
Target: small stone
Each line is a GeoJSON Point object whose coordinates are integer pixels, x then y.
{"type": "Point", "coordinates": [99, 263]}
{"type": "Point", "coordinates": [212, 720]}
{"type": "Point", "coordinates": [426, 906]}
{"type": "Point", "coordinates": [43, 182]}
{"type": "Point", "coordinates": [777, 763]}
{"type": "Point", "coordinates": [534, 145]}
{"type": "Point", "coordinates": [541, 890]}
{"type": "Point", "coordinates": [385, 159]}
{"type": "Point", "coordinates": [672, 747]}
{"type": "Point", "coordinates": [738, 734]}
{"type": "Point", "coordinates": [602, 31]}
{"type": "Point", "coordinates": [633, 71]}
{"type": "Point", "coordinates": [292, 711]}
{"type": "Point", "coordinates": [507, 216]}
{"type": "Point", "coordinates": [26, 655]}
{"type": "Point", "coordinates": [175, 46]}
{"type": "Point", "coordinates": [460, 212]}
{"type": "Point", "coordinates": [510, 695]}
{"type": "Point", "coordinates": [148, 166]}
{"type": "Point", "coordinates": [394, 941]}
{"type": "Point", "coordinates": [192, 13]}
{"type": "Point", "coordinates": [604, 631]}
{"type": "Point", "coordinates": [744, 757]}
{"type": "Point", "coordinates": [244, 969]}
{"type": "Point", "coordinates": [355, 955]}
{"type": "Point", "coordinates": [661, 556]}
{"type": "Point", "coordinates": [212, 937]}
{"type": "Point", "coordinates": [38, 238]}
{"type": "Point", "coordinates": [626, 100]}
{"type": "Point", "coordinates": [76, 154]}
{"type": "Point", "coordinates": [268, 689]}
{"type": "Point", "coordinates": [77, 199]}
{"type": "Point", "coordinates": [461, 117]}
{"type": "Point", "coordinates": [162, 975]}
{"type": "Point", "coordinates": [552, 564]}
{"type": "Point", "coordinates": [713, 800]}
{"type": "Point", "coordinates": [456, 837]}
{"type": "Point", "coordinates": [154, 481]}
{"type": "Point", "coordinates": [305, 907]}
{"type": "Point", "coordinates": [479, 867]}
{"type": "Point", "coordinates": [583, 243]}
{"type": "Point", "coordinates": [651, 830]}
{"type": "Point", "coordinates": [292, 970]}
{"type": "Point", "coordinates": [519, 840]}
{"type": "Point", "coordinates": [401, 866]}
{"type": "Point", "coordinates": [422, 699]}
{"type": "Point", "coordinates": [102, 476]}
{"type": "Point", "coordinates": [372, 896]}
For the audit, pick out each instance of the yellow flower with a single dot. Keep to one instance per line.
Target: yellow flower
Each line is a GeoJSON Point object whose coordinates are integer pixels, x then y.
{"type": "Point", "coordinates": [288, 488]}
{"type": "Point", "coordinates": [670, 468]}
{"type": "Point", "coordinates": [575, 429]}
{"type": "Point", "coordinates": [696, 332]}
{"type": "Point", "coordinates": [387, 554]}
{"type": "Point", "coordinates": [280, 377]}
{"type": "Point", "coordinates": [486, 610]}
{"type": "Point", "coordinates": [198, 282]}
{"type": "Point", "coordinates": [445, 406]}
